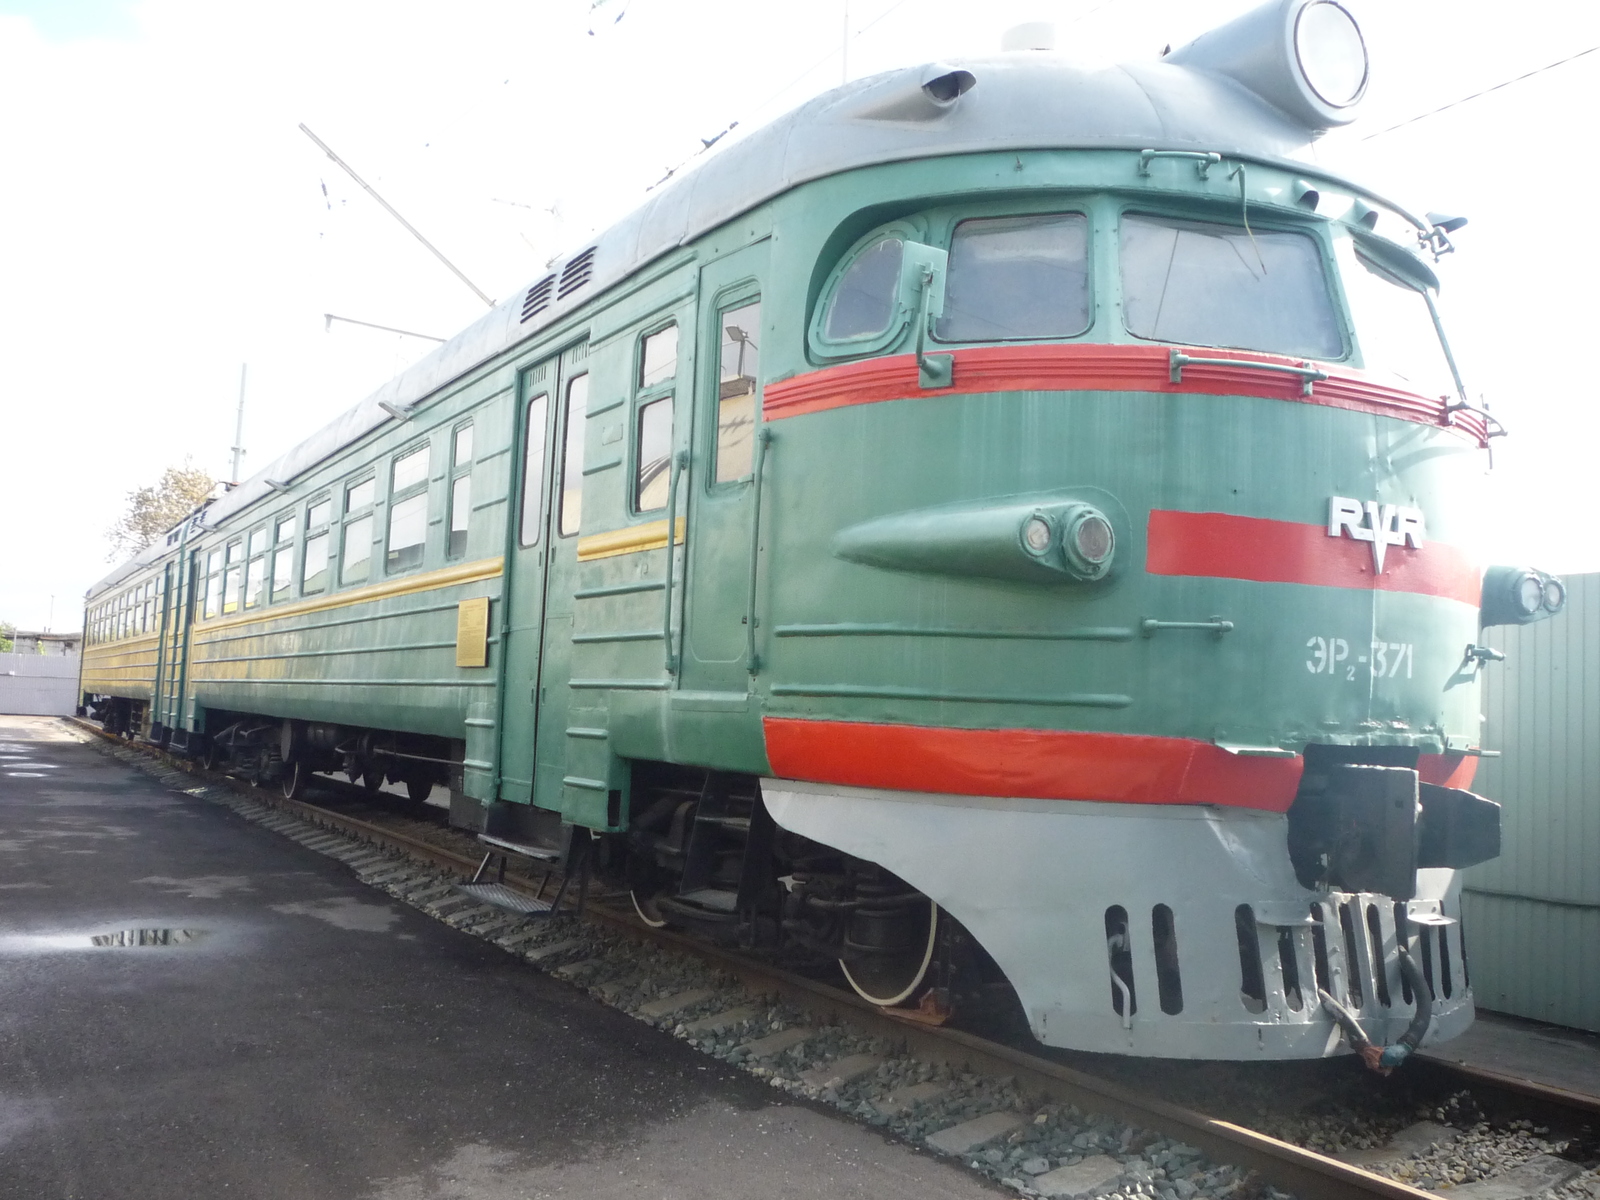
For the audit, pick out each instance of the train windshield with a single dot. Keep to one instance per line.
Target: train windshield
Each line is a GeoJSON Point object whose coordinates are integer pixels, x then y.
{"type": "Point", "coordinates": [1394, 324]}
{"type": "Point", "coordinates": [1199, 283]}
{"type": "Point", "coordinates": [1017, 277]}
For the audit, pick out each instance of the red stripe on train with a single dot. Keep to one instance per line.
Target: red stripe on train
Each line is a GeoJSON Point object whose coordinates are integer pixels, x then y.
{"type": "Point", "coordinates": [1033, 763]}
{"type": "Point", "coordinates": [1085, 367]}
{"type": "Point", "coordinates": [1223, 546]}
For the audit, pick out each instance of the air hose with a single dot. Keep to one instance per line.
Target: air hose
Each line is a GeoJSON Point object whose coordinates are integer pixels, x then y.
{"type": "Point", "coordinates": [1384, 1059]}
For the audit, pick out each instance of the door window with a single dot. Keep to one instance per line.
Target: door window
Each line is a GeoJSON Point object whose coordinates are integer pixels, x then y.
{"type": "Point", "coordinates": [577, 416]}
{"type": "Point", "coordinates": [533, 468]}
{"type": "Point", "coordinates": [736, 391]}
{"type": "Point", "coordinates": [460, 492]}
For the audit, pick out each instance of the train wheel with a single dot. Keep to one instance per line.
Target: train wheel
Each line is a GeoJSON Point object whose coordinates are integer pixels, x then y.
{"type": "Point", "coordinates": [418, 789]}
{"type": "Point", "coordinates": [208, 756]}
{"type": "Point", "coordinates": [647, 909]}
{"type": "Point", "coordinates": [901, 952]}
{"type": "Point", "coordinates": [372, 778]}
{"type": "Point", "coordinates": [293, 779]}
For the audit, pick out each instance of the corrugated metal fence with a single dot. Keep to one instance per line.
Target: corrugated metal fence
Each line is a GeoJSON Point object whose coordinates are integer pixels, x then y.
{"type": "Point", "coordinates": [38, 685]}
{"type": "Point", "coordinates": [1532, 916]}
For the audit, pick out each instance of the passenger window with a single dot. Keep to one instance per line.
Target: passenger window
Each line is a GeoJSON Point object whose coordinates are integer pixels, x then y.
{"type": "Point", "coordinates": [1202, 284]}
{"type": "Point", "coordinates": [736, 391]}
{"type": "Point", "coordinates": [577, 416]}
{"type": "Point", "coordinates": [282, 571]}
{"type": "Point", "coordinates": [318, 514]}
{"type": "Point", "coordinates": [863, 301]}
{"type": "Point", "coordinates": [410, 469]}
{"type": "Point", "coordinates": [1017, 277]}
{"type": "Point", "coordinates": [355, 563]}
{"type": "Point", "coordinates": [408, 525]}
{"type": "Point", "coordinates": [282, 557]}
{"type": "Point", "coordinates": [256, 572]}
{"type": "Point", "coordinates": [233, 578]}
{"type": "Point", "coordinates": [314, 571]}
{"type": "Point", "coordinates": [659, 360]}
{"type": "Point", "coordinates": [408, 510]}
{"type": "Point", "coordinates": [360, 495]}
{"type": "Point", "coordinates": [653, 437]}
{"type": "Point", "coordinates": [533, 468]}
{"type": "Point", "coordinates": [213, 583]}
{"type": "Point", "coordinates": [460, 493]}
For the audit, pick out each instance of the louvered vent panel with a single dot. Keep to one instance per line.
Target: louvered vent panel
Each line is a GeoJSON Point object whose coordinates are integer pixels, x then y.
{"type": "Point", "coordinates": [576, 273]}
{"type": "Point", "coordinates": [538, 298]}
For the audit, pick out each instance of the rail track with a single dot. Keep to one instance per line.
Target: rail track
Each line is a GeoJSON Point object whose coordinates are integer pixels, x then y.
{"type": "Point", "coordinates": [1271, 1162]}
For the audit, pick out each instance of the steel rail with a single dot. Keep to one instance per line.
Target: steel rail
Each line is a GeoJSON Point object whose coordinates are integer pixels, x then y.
{"type": "Point", "coordinates": [1309, 1175]}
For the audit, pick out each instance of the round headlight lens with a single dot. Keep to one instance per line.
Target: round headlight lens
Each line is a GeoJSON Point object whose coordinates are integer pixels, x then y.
{"type": "Point", "coordinates": [1093, 539]}
{"type": "Point", "coordinates": [1555, 595]}
{"type": "Point", "coordinates": [1331, 53]}
{"type": "Point", "coordinates": [1530, 594]}
{"type": "Point", "coordinates": [1036, 535]}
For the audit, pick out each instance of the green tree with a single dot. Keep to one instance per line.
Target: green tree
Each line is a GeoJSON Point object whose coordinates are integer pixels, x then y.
{"type": "Point", "coordinates": [6, 630]}
{"type": "Point", "coordinates": [154, 510]}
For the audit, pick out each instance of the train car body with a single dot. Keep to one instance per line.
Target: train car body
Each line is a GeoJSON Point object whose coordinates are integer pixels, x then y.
{"type": "Point", "coordinates": [1045, 490]}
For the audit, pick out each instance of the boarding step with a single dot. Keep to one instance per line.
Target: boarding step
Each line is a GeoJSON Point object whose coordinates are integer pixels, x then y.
{"type": "Point", "coordinates": [502, 896]}
{"type": "Point", "coordinates": [497, 893]}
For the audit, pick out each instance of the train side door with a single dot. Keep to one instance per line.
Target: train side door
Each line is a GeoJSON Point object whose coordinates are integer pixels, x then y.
{"type": "Point", "coordinates": [720, 547]}
{"type": "Point", "coordinates": [563, 522]}
{"type": "Point", "coordinates": [524, 579]}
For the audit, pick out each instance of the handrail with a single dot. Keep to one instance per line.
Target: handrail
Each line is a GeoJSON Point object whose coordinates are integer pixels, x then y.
{"type": "Point", "coordinates": [1215, 625]}
{"type": "Point", "coordinates": [752, 661]}
{"type": "Point", "coordinates": [1204, 160]}
{"type": "Point", "coordinates": [680, 461]}
{"type": "Point", "coordinates": [1177, 360]}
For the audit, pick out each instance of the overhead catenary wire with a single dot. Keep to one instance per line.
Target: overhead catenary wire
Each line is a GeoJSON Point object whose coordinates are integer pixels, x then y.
{"type": "Point", "coordinates": [393, 212]}
{"type": "Point", "coordinates": [1561, 62]}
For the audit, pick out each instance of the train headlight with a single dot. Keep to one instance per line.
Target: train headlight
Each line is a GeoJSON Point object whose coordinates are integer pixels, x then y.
{"type": "Point", "coordinates": [1520, 596]}
{"type": "Point", "coordinates": [1306, 58]}
{"type": "Point", "coordinates": [1331, 53]}
{"type": "Point", "coordinates": [1089, 542]}
{"type": "Point", "coordinates": [1530, 594]}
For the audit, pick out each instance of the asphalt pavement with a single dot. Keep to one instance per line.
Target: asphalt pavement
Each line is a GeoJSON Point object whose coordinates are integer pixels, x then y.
{"type": "Point", "coordinates": [194, 1006]}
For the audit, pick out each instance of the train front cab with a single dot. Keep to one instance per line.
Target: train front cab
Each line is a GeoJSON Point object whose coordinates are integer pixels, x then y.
{"type": "Point", "coordinates": [1088, 749]}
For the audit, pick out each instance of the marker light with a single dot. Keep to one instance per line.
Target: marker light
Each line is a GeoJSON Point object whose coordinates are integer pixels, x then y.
{"type": "Point", "coordinates": [1331, 53]}
{"type": "Point", "coordinates": [1555, 595]}
{"type": "Point", "coordinates": [1036, 535]}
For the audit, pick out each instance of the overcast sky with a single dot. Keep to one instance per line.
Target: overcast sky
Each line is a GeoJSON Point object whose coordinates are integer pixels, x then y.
{"type": "Point", "coordinates": [163, 220]}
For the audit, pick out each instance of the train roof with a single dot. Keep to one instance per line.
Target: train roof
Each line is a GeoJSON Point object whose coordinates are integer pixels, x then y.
{"type": "Point", "coordinates": [1200, 98]}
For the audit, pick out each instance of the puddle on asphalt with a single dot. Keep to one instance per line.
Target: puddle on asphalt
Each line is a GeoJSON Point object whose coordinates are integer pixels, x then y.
{"type": "Point", "coordinates": [116, 939]}
{"type": "Point", "coordinates": [127, 939]}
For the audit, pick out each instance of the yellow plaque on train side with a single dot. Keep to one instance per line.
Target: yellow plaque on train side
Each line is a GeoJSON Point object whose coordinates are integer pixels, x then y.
{"type": "Point", "coordinates": [472, 632]}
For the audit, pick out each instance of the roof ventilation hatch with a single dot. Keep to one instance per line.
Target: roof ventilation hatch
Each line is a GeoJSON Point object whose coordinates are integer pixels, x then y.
{"type": "Point", "coordinates": [576, 273]}
{"type": "Point", "coordinates": [538, 298]}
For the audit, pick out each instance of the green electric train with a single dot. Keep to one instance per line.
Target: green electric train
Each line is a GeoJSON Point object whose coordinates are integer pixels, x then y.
{"type": "Point", "coordinates": [1004, 526]}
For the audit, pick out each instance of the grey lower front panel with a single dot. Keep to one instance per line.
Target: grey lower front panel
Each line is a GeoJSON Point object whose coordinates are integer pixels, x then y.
{"type": "Point", "coordinates": [1033, 881]}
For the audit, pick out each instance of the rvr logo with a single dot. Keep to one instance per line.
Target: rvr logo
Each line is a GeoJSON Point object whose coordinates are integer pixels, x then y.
{"type": "Point", "coordinates": [1383, 525]}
